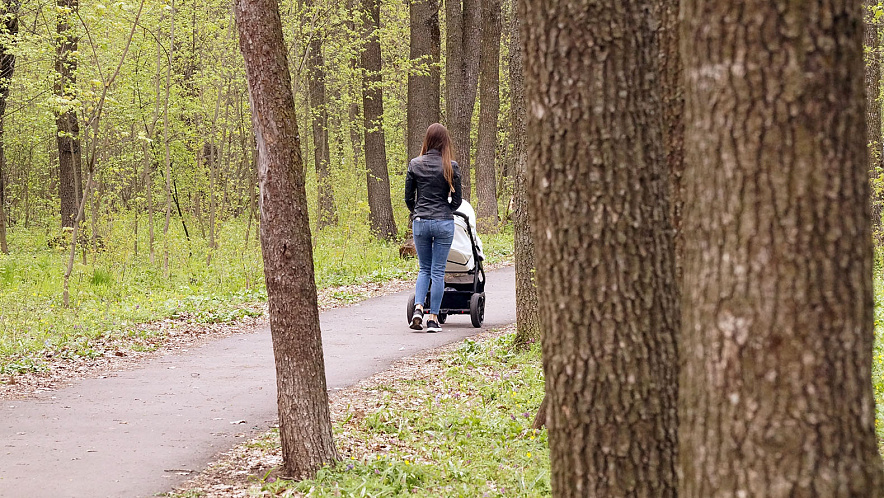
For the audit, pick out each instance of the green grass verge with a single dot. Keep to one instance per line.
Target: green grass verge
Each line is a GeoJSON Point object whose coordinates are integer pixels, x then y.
{"type": "Point", "coordinates": [878, 361]}
{"type": "Point", "coordinates": [466, 433]}
{"type": "Point", "coordinates": [117, 289]}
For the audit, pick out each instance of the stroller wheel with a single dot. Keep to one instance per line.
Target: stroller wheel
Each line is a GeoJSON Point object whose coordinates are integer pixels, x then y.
{"type": "Point", "coordinates": [477, 309]}
{"type": "Point", "coordinates": [410, 308]}
{"type": "Point", "coordinates": [442, 317]}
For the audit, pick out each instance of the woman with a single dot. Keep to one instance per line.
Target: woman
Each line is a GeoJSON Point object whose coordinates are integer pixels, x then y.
{"type": "Point", "coordinates": [432, 193]}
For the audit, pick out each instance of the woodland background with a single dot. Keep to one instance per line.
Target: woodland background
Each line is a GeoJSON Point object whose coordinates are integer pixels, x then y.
{"type": "Point", "coordinates": [155, 93]}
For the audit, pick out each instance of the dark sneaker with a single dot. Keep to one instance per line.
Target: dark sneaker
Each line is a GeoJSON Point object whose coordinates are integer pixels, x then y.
{"type": "Point", "coordinates": [433, 326]}
{"type": "Point", "coordinates": [417, 318]}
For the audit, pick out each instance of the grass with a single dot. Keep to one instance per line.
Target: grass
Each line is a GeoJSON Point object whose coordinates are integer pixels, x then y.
{"type": "Point", "coordinates": [465, 433]}
{"type": "Point", "coordinates": [117, 289]}
{"type": "Point", "coordinates": [878, 361]}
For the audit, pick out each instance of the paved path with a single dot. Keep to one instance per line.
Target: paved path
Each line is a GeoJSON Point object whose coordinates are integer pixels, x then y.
{"type": "Point", "coordinates": [125, 435]}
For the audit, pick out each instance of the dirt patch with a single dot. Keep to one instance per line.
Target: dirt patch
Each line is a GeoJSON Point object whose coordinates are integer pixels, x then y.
{"type": "Point", "coordinates": [171, 336]}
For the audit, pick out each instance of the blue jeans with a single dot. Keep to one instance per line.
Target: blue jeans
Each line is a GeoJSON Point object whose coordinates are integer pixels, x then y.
{"type": "Point", "coordinates": [432, 239]}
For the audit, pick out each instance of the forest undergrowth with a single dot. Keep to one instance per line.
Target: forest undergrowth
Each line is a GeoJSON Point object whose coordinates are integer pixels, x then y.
{"type": "Point", "coordinates": [456, 422]}
{"type": "Point", "coordinates": [117, 291]}
{"type": "Point", "coordinates": [878, 359]}
{"type": "Point", "coordinates": [465, 431]}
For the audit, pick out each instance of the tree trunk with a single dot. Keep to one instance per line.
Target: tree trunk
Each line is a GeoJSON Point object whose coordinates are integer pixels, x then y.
{"type": "Point", "coordinates": [319, 112]}
{"type": "Point", "coordinates": [209, 155]}
{"type": "Point", "coordinates": [489, 99]}
{"type": "Point", "coordinates": [94, 202]}
{"type": "Point", "coordinates": [872, 42]}
{"type": "Point", "coordinates": [527, 314]}
{"type": "Point", "coordinates": [305, 426]}
{"type": "Point", "coordinates": [9, 28]}
{"type": "Point", "coordinates": [424, 79]}
{"type": "Point", "coordinates": [209, 158]}
{"type": "Point", "coordinates": [540, 417]}
{"type": "Point", "coordinates": [672, 97]}
{"type": "Point", "coordinates": [379, 203]}
{"type": "Point", "coordinates": [26, 194]}
{"type": "Point", "coordinates": [605, 256]}
{"type": "Point", "coordinates": [148, 189]}
{"type": "Point", "coordinates": [4, 247]}
{"type": "Point", "coordinates": [462, 36]}
{"type": "Point", "coordinates": [150, 158]}
{"type": "Point", "coordinates": [68, 137]}
{"type": "Point", "coordinates": [777, 342]}
{"type": "Point", "coordinates": [167, 146]}
{"type": "Point", "coordinates": [356, 134]}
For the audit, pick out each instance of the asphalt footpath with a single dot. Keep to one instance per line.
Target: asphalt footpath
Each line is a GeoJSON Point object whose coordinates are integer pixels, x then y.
{"type": "Point", "coordinates": [139, 433]}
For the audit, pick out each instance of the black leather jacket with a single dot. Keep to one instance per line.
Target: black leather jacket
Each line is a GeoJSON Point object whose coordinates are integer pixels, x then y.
{"type": "Point", "coordinates": [427, 192]}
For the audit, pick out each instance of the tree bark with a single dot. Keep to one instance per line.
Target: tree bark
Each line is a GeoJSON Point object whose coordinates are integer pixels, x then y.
{"type": "Point", "coordinates": [777, 342]}
{"type": "Point", "coordinates": [540, 417]}
{"type": "Point", "coordinates": [527, 314]}
{"type": "Point", "coordinates": [319, 113]}
{"type": "Point", "coordinates": [9, 9]}
{"type": "Point", "coordinates": [605, 256]}
{"type": "Point", "coordinates": [872, 42]}
{"type": "Point", "coordinates": [672, 96]}
{"type": "Point", "coordinates": [305, 426]}
{"type": "Point", "coordinates": [462, 36]}
{"type": "Point", "coordinates": [379, 203]}
{"type": "Point", "coordinates": [489, 98]}
{"type": "Point", "coordinates": [423, 108]}
{"type": "Point", "coordinates": [68, 137]}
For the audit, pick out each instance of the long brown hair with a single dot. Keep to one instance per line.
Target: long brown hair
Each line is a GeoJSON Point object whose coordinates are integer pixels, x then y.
{"type": "Point", "coordinates": [437, 138]}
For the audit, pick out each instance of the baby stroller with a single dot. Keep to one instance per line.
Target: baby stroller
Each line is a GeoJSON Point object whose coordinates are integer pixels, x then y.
{"type": "Point", "coordinates": [464, 276]}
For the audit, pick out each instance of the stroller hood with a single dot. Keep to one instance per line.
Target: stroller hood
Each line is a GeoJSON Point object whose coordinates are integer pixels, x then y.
{"type": "Point", "coordinates": [460, 257]}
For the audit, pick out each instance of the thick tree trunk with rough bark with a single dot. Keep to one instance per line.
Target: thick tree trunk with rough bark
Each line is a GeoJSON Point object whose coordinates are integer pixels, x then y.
{"type": "Point", "coordinates": [599, 200]}
{"type": "Point", "coordinates": [319, 124]}
{"type": "Point", "coordinates": [423, 107]}
{"type": "Point", "coordinates": [68, 137]}
{"type": "Point", "coordinates": [672, 97]}
{"type": "Point", "coordinates": [305, 426]}
{"type": "Point", "coordinates": [489, 99]}
{"type": "Point", "coordinates": [9, 9]}
{"type": "Point", "coordinates": [775, 396]}
{"type": "Point", "coordinates": [872, 42]}
{"type": "Point", "coordinates": [379, 203]}
{"type": "Point", "coordinates": [462, 38]}
{"type": "Point", "coordinates": [527, 314]}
